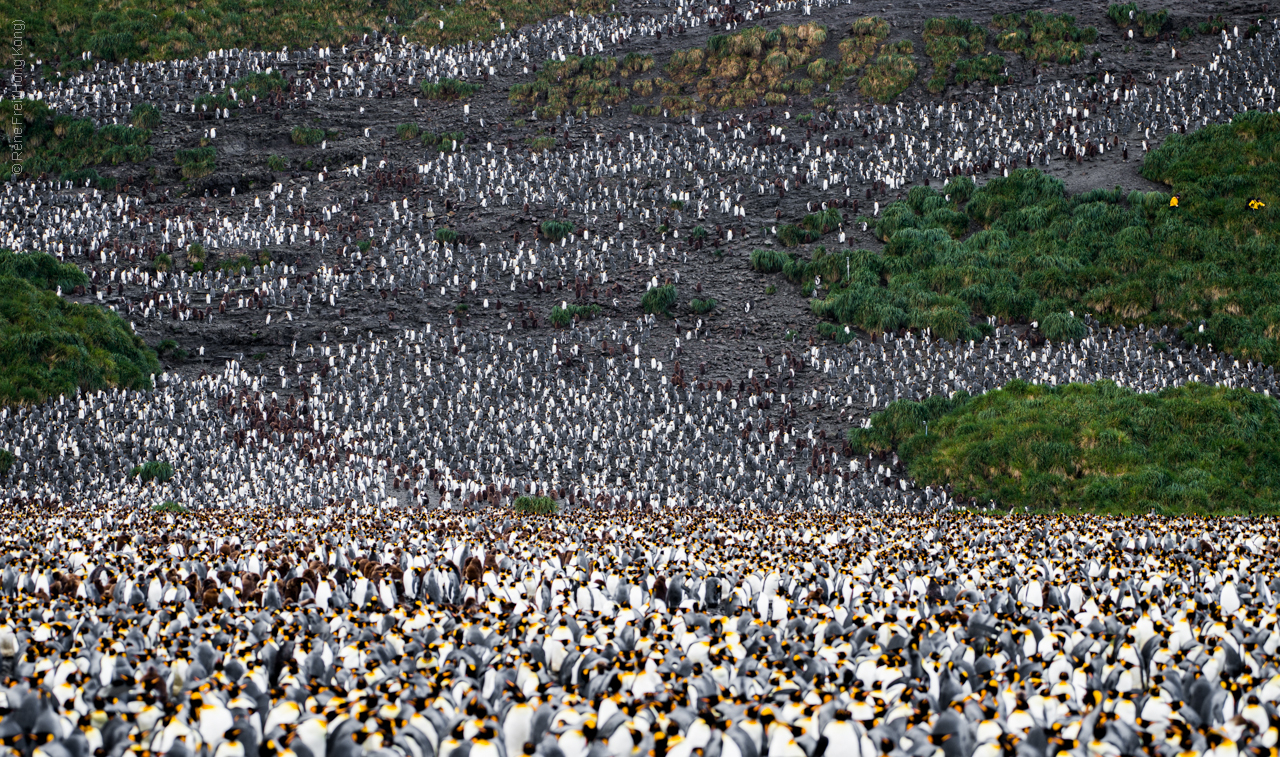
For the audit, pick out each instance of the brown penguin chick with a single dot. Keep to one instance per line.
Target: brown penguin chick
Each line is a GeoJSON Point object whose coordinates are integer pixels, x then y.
{"type": "Point", "coordinates": [473, 570]}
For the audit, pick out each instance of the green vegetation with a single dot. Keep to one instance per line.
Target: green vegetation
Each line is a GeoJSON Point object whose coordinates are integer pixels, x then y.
{"type": "Point", "coordinates": [1093, 447]}
{"type": "Point", "coordinates": [67, 147]}
{"type": "Point", "coordinates": [865, 35]}
{"type": "Point", "coordinates": [1021, 250]}
{"type": "Point", "coordinates": [579, 86]}
{"type": "Point", "coordinates": [306, 135]}
{"type": "Point", "coordinates": [769, 261]}
{"type": "Point", "coordinates": [556, 230]}
{"type": "Point", "coordinates": [449, 89]}
{"type": "Point", "coordinates": [170, 347]}
{"type": "Point", "coordinates": [983, 68]}
{"type": "Point", "coordinates": [446, 142]}
{"type": "Point", "coordinates": [526, 505]}
{"type": "Point", "coordinates": [243, 91]}
{"type": "Point", "coordinates": [277, 163]}
{"type": "Point", "coordinates": [702, 307]}
{"type": "Point", "coordinates": [41, 270]}
{"type": "Point", "coordinates": [810, 229]}
{"type": "Point", "coordinates": [163, 262]}
{"type": "Point", "coordinates": [244, 262]}
{"type": "Point", "coordinates": [196, 162]}
{"type": "Point", "coordinates": [541, 144]}
{"type": "Point", "coordinates": [737, 70]}
{"type": "Point", "coordinates": [1128, 14]}
{"type": "Point", "coordinates": [446, 236]}
{"type": "Point", "coordinates": [169, 506]}
{"type": "Point", "coordinates": [890, 73]}
{"type": "Point", "coordinates": [6, 462]}
{"type": "Point", "coordinates": [945, 40]}
{"type": "Point", "coordinates": [144, 116]}
{"type": "Point", "coordinates": [563, 316]}
{"type": "Point", "coordinates": [49, 346]}
{"type": "Point", "coordinates": [770, 289]}
{"type": "Point", "coordinates": [659, 300]}
{"type": "Point", "coordinates": [152, 470]}
{"type": "Point", "coordinates": [407, 131]}
{"type": "Point", "coordinates": [142, 30]}
{"type": "Point", "coordinates": [1046, 38]}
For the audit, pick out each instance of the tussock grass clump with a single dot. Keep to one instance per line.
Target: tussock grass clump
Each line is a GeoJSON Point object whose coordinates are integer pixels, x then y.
{"type": "Point", "coordinates": [984, 68]}
{"type": "Point", "coordinates": [556, 230]}
{"type": "Point", "coordinates": [1098, 447]}
{"type": "Point", "coordinates": [152, 470]}
{"type": "Point", "coordinates": [702, 307]}
{"type": "Point", "coordinates": [171, 507]}
{"type": "Point", "coordinates": [769, 261]}
{"type": "Point", "coordinates": [407, 131]}
{"type": "Point", "coordinates": [1125, 15]}
{"type": "Point", "coordinates": [446, 236]}
{"type": "Point", "coordinates": [526, 505]}
{"type": "Point", "coordinates": [67, 147]}
{"type": "Point", "coordinates": [738, 70]}
{"type": "Point", "coordinates": [196, 162]}
{"type": "Point", "coordinates": [449, 89]}
{"type": "Point", "coordinates": [49, 346]}
{"type": "Point", "coordinates": [579, 85]}
{"type": "Point", "coordinates": [277, 163]}
{"type": "Point", "coordinates": [306, 135]}
{"type": "Point", "coordinates": [6, 462]}
{"type": "Point", "coordinates": [890, 73]}
{"type": "Point", "coordinates": [793, 235]}
{"type": "Point", "coordinates": [445, 142]}
{"type": "Point", "coordinates": [243, 91]}
{"type": "Point", "coordinates": [1043, 37]}
{"type": "Point", "coordinates": [945, 41]}
{"type": "Point", "coordinates": [865, 36]}
{"type": "Point", "coordinates": [659, 300]}
{"type": "Point", "coordinates": [144, 116]}
{"type": "Point", "coordinates": [562, 316]}
{"type": "Point", "coordinates": [541, 144]}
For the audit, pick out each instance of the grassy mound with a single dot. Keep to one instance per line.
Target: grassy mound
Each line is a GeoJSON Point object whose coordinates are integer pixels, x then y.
{"type": "Point", "coordinates": [659, 299]}
{"type": "Point", "coordinates": [579, 86]}
{"type": "Point", "coordinates": [563, 316]}
{"type": "Point", "coordinates": [865, 35]}
{"type": "Point", "coordinates": [1020, 249]}
{"type": "Point", "coordinates": [738, 70]}
{"type": "Point", "coordinates": [890, 73]}
{"type": "Point", "coordinates": [945, 40]}
{"type": "Point", "coordinates": [243, 90]}
{"type": "Point", "coordinates": [556, 230]}
{"type": "Point", "coordinates": [67, 147]}
{"type": "Point", "coordinates": [1092, 447]}
{"type": "Point", "coordinates": [449, 89]}
{"type": "Point", "coordinates": [446, 142]}
{"type": "Point", "coordinates": [536, 506]}
{"type": "Point", "coordinates": [152, 470]}
{"type": "Point", "coordinates": [197, 161]}
{"type": "Point", "coordinates": [49, 346]}
{"type": "Point", "coordinates": [810, 229]}
{"type": "Point", "coordinates": [1043, 37]}
{"type": "Point", "coordinates": [1125, 15]}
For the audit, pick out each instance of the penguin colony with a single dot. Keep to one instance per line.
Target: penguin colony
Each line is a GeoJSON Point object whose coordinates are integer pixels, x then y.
{"type": "Point", "coordinates": [343, 631]}
{"type": "Point", "coordinates": [725, 580]}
